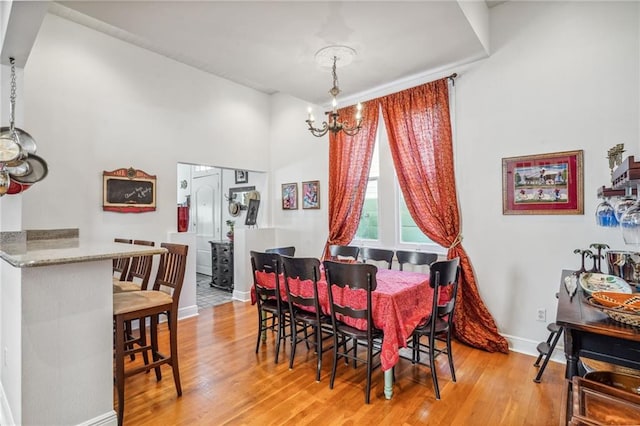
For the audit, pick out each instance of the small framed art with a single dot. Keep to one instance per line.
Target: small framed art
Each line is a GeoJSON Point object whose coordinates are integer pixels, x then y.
{"type": "Point", "coordinates": [290, 196]}
{"type": "Point", "coordinates": [252, 213]}
{"type": "Point", "coordinates": [311, 194]}
{"type": "Point", "coordinates": [543, 184]}
{"type": "Point", "coordinates": [242, 176]}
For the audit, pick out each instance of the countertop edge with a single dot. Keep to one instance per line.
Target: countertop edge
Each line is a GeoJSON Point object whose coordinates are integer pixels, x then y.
{"type": "Point", "coordinates": [83, 252]}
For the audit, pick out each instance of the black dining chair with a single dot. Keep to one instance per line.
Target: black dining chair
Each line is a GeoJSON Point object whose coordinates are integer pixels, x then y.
{"type": "Point", "coordinates": [268, 299]}
{"type": "Point", "coordinates": [376, 255]}
{"type": "Point", "coordinates": [415, 258]}
{"type": "Point", "coordinates": [438, 326]}
{"type": "Point", "coordinates": [343, 252]}
{"type": "Point", "coordinates": [347, 277]}
{"type": "Point", "coordinates": [286, 251]}
{"type": "Point", "coordinates": [304, 306]}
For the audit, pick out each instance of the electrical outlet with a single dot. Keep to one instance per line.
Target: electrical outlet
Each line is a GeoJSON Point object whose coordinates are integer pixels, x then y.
{"type": "Point", "coordinates": [541, 314]}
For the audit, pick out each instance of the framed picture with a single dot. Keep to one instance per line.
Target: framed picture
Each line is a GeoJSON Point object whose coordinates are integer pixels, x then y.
{"type": "Point", "coordinates": [289, 196]}
{"type": "Point", "coordinates": [242, 176]}
{"type": "Point", "coordinates": [311, 194]}
{"type": "Point", "coordinates": [128, 191]}
{"type": "Point", "coordinates": [252, 212]}
{"type": "Point", "coordinates": [543, 184]}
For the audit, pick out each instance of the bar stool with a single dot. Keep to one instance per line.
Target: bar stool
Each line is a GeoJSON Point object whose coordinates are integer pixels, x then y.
{"type": "Point", "coordinates": [139, 305]}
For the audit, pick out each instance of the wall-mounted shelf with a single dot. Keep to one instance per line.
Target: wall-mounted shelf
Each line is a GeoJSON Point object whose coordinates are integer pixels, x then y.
{"type": "Point", "coordinates": [626, 174]}
{"type": "Point", "coordinates": [604, 192]}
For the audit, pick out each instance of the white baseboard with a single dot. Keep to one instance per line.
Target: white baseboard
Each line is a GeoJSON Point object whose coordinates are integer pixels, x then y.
{"type": "Point", "coordinates": [6, 416]}
{"type": "Point", "coordinates": [242, 296]}
{"type": "Point", "coordinates": [529, 347]}
{"type": "Point", "coordinates": [107, 419]}
{"type": "Point", "coordinates": [187, 312]}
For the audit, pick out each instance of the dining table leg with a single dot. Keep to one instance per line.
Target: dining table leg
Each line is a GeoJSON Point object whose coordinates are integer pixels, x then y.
{"type": "Point", "coordinates": [388, 383]}
{"type": "Point", "coordinates": [264, 328]}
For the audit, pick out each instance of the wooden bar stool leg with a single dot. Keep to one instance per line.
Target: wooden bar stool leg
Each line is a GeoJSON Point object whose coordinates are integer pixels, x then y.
{"type": "Point", "coordinates": [154, 344]}
{"type": "Point", "coordinates": [120, 346]}
{"type": "Point", "coordinates": [173, 337]}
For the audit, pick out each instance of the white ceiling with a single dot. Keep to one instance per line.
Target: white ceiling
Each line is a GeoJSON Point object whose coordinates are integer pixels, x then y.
{"type": "Point", "coordinates": [270, 46]}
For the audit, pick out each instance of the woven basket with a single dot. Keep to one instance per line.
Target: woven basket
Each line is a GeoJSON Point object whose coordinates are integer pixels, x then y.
{"type": "Point", "coordinates": [629, 302]}
{"type": "Point", "coordinates": [617, 314]}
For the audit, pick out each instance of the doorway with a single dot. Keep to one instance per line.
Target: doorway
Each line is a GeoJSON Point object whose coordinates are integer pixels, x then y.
{"type": "Point", "coordinates": [206, 216]}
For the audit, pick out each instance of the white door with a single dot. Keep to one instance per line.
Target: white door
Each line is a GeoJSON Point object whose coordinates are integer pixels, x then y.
{"type": "Point", "coordinates": [206, 218]}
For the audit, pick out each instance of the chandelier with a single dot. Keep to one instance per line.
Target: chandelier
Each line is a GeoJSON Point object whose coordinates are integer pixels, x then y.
{"type": "Point", "coordinates": [333, 123]}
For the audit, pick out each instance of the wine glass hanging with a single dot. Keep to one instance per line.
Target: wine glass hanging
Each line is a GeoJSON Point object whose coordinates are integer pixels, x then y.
{"type": "Point", "coordinates": [630, 223]}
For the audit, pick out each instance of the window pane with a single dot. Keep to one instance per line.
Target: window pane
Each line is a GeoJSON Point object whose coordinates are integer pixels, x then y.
{"type": "Point", "coordinates": [368, 227]}
{"type": "Point", "coordinates": [409, 231]}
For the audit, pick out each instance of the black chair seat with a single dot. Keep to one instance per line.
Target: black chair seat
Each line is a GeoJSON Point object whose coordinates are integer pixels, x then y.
{"type": "Point", "coordinates": [425, 328]}
{"type": "Point", "coordinates": [311, 317]}
{"type": "Point", "coordinates": [355, 333]}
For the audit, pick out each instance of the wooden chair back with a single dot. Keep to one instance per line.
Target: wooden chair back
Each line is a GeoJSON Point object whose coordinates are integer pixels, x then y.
{"type": "Point", "coordinates": [415, 258]}
{"type": "Point", "coordinates": [377, 255]}
{"type": "Point", "coordinates": [171, 269]}
{"type": "Point", "coordinates": [121, 264]}
{"type": "Point", "coordinates": [444, 274]}
{"type": "Point", "coordinates": [286, 251]}
{"type": "Point", "coordinates": [337, 252]}
{"type": "Point", "coordinates": [303, 269]}
{"type": "Point", "coordinates": [140, 270]}
{"type": "Point", "coordinates": [354, 276]}
{"type": "Point", "coordinates": [268, 263]}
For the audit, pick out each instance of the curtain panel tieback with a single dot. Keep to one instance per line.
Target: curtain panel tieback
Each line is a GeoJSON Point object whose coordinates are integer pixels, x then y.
{"type": "Point", "coordinates": [456, 242]}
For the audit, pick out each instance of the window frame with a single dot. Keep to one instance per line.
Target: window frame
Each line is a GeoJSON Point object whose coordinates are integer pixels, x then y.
{"type": "Point", "coordinates": [389, 193]}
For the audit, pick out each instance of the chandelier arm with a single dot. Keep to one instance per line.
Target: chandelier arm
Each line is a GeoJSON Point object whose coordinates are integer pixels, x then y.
{"type": "Point", "coordinates": [316, 131]}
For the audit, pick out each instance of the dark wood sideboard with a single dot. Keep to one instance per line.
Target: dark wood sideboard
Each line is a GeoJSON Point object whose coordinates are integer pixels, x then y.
{"type": "Point", "coordinates": [589, 333]}
{"type": "Point", "coordinates": [222, 265]}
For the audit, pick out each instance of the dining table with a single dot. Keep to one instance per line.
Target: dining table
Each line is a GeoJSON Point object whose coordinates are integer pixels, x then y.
{"type": "Point", "coordinates": [401, 300]}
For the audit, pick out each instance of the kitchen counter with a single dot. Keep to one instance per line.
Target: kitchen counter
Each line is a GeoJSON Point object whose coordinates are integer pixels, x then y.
{"type": "Point", "coordinates": [68, 250]}
{"type": "Point", "coordinates": [57, 324]}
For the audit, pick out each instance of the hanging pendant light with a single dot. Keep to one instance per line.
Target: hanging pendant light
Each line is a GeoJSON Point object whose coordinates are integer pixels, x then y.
{"type": "Point", "coordinates": [333, 55]}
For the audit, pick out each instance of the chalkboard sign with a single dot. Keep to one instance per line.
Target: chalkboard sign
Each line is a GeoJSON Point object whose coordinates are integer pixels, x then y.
{"type": "Point", "coordinates": [128, 191]}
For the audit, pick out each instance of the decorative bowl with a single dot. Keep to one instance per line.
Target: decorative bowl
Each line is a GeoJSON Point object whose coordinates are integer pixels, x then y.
{"type": "Point", "coordinates": [592, 282]}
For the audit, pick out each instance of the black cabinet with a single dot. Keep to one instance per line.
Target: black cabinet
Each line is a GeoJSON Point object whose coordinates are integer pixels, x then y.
{"type": "Point", "coordinates": [222, 265]}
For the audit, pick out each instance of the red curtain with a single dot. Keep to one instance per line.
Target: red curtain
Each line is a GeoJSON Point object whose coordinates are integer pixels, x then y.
{"type": "Point", "coordinates": [419, 130]}
{"type": "Point", "coordinates": [349, 162]}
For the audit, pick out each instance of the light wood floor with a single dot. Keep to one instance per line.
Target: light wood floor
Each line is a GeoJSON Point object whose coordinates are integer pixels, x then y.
{"type": "Point", "coordinates": [225, 382]}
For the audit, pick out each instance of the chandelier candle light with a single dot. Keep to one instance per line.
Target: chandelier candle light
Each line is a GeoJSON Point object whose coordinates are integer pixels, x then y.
{"type": "Point", "coordinates": [333, 54]}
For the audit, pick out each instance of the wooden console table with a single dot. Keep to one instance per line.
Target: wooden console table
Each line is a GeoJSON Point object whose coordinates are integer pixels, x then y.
{"type": "Point", "coordinates": [592, 334]}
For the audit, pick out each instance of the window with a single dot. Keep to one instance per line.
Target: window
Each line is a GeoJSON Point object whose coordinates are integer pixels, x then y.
{"type": "Point", "coordinates": [409, 231]}
{"type": "Point", "coordinates": [368, 227]}
{"type": "Point", "coordinates": [385, 219]}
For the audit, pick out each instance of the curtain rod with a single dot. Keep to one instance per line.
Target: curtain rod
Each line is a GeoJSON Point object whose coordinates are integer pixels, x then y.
{"type": "Point", "coordinates": [452, 77]}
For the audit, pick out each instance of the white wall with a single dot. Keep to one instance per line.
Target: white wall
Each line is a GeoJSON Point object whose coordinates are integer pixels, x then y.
{"type": "Point", "coordinates": [95, 103]}
{"type": "Point", "coordinates": [562, 76]}
{"type": "Point", "coordinates": [298, 156]}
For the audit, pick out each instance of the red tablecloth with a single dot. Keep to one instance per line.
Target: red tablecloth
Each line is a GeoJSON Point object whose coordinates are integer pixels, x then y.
{"type": "Point", "coordinates": [400, 301]}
